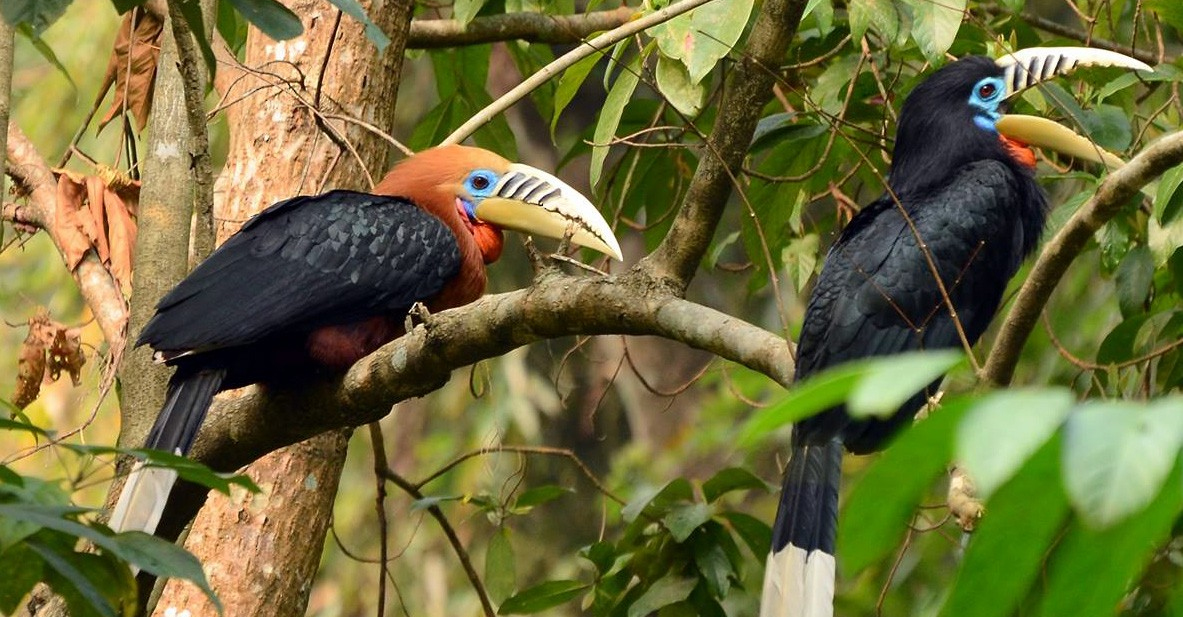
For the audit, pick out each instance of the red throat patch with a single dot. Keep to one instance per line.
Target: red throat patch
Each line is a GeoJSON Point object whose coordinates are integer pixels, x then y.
{"type": "Point", "coordinates": [1019, 151]}
{"type": "Point", "coordinates": [490, 241]}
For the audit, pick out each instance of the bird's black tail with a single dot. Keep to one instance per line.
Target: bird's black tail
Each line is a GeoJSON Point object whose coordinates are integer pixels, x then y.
{"type": "Point", "coordinates": [799, 577]}
{"type": "Point", "coordinates": [146, 492]}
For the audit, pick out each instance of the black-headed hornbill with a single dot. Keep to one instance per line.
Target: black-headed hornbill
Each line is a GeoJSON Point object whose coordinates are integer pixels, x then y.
{"type": "Point", "coordinates": [313, 284]}
{"type": "Point", "coordinates": [962, 200]}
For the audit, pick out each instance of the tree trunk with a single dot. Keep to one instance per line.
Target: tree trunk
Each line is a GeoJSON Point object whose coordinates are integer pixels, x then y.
{"type": "Point", "coordinates": [261, 551]}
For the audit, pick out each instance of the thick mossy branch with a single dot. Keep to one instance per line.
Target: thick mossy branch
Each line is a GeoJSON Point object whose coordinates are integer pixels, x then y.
{"type": "Point", "coordinates": [240, 429]}
{"type": "Point", "coordinates": [1059, 253]}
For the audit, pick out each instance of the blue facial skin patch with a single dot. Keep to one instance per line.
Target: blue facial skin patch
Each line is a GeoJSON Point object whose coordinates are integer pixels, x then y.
{"type": "Point", "coordinates": [479, 184]}
{"type": "Point", "coordinates": [986, 97]}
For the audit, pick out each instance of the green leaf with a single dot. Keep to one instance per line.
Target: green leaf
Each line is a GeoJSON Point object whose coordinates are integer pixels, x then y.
{"type": "Point", "coordinates": [76, 573]}
{"type": "Point", "coordinates": [890, 382]}
{"type": "Point", "coordinates": [703, 36]}
{"type": "Point", "coordinates": [1134, 279]}
{"type": "Point", "coordinates": [464, 10]}
{"type": "Point", "coordinates": [1168, 202]}
{"type": "Point", "coordinates": [667, 590]}
{"type": "Point", "coordinates": [539, 495]}
{"type": "Point", "coordinates": [500, 567]}
{"type": "Point", "coordinates": [1169, 11]}
{"type": "Point", "coordinates": [271, 18]}
{"type": "Point", "coordinates": [46, 52]}
{"type": "Point", "coordinates": [187, 469]}
{"type": "Point", "coordinates": [16, 425]}
{"type": "Point", "coordinates": [618, 96]}
{"type": "Point", "coordinates": [1118, 454]}
{"type": "Point", "coordinates": [355, 10]}
{"type": "Point", "coordinates": [1004, 429]}
{"type": "Point", "coordinates": [1006, 551]}
{"type": "Point", "coordinates": [816, 394]}
{"type": "Point", "coordinates": [683, 520]}
{"type": "Point", "coordinates": [675, 85]}
{"type": "Point", "coordinates": [1090, 570]}
{"type": "Point", "coordinates": [755, 533]}
{"type": "Point", "coordinates": [935, 25]}
{"type": "Point", "coordinates": [569, 83]}
{"type": "Point", "coordinates": [191, 11]}
{"type": "Point", "coordinates": [880, 13]}
{"type": "Point", "coordinates": [20, 570]}
{"type": "Point", "coordinates": [1109, 126]}
{"type": "Point", "coordinates": [231, 26]}
{"type": "Point", "coordinates": [656, 502]}
{"type": "Point", "coordinates": [711, 550]}
{"type": "Point", "coordinates": [881, 504]}
{"type": "Point", "coordinates": [37, 14]}
{"type": "Point", "coordinates": [731, 479]}
{"type": "Point", "coordinates": [541, 597]}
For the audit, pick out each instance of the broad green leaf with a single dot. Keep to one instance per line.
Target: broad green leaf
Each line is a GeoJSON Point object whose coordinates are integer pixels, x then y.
{"type": "Point", "coordinates": [34, 493]}
{"type": "Point", "coordinates": [500, 566]}
{"type": "Point", "coordinates": [1169, 11]}
{"type": "Point", "coordinates": [800, 259]}
{"type": "Point", "coordinates": [703, 36]}
{"type": "Point", "coordinates": [1006, 551]}
{"type": "Point", "coordinates": [20, 569]}
{"type": "Point", "coordinates": [1109, 126]}
{"type": "Point", "coordinates": [1135, 280]}
{"type": "Point", "coordinates": [656, 502]}
{"type": "Point", "coordinates": [1004, 429]}
{"type": "Point", "coordinates": [569, 83]}
{"type": "Point", "coordinates": [731, 479]}
{"type": "Point", "coordinates": [187, 469]}
{"type": "Point", "coordinates": [935, 25]}
{"type": "Point", "coordinates": [712, 562]}
{"type": "Point", "coordinates": [618, 96]}
{"type": "Point", "coordinates": [755, 533]}
{"type": "Point", "coordinates": [665, 591]}
{"type": "Point", "coordinates": [146, 551]}
{"type": "Point", "coordinates": [539, 495]}
{"type": "Point", "coordinates": [355, 10]}
{"type": "Point", "coordinates": [37, 14]}
{"type": "Point", "coordinates": [464, 10]}
{"type": "Point", "coordinates": [231, 26]}
{"type": "Point", "coordinates": [83, 595]}
{"type": "Point", "coordinates": [541, 597]}
{"type": "Point", "coordinates": [815, 394]}
{"type": "Point", "coordinates": [880, 13]}
{"type": "Point", "coordinates": [602, 555]}
{"type": "Point", "coordinates": [1168, 202]}
{"type": "Point", "coordinates": [890, 382]}
{"type": "Point", "coordinates": [1118, 454]}
{"type": "Point", "coordinates": [1090, 570]}
{"type": "Point", "coordinates": [46, 52]}
{"type": "Point", "coordinates": [683, 520]}
{"type": "Point", "coordinates": [16, 425]}
{"type": "Point", "coordinates": [879, 507]}
{"type": "Point", "coordinates": [675, 85]}
{"type": "Point", "coordinates": [1013, 6]}
{"type": "Point", "coordinates": [271, 18]}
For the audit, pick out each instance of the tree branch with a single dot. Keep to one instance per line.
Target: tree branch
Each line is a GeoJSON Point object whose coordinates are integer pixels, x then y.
{"type": "Point", "coordinates": [531, 27]}
{"type": "Point", "coordinates": [1069, 32]}
{"type": "Point", "coordinates": [1111, 197]}
{"type": "Point", "coordinates": [260, 420]}
{"type": "Point", "coordinates": [748, 88]}
{"type": "Point", "coordinates": [98, 288]}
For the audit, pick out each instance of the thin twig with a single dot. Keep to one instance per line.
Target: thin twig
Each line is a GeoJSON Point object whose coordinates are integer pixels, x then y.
{"type": "Point", "coordinates": [596, 45]}
{"type": "Point", "coordinates": [378, 445]}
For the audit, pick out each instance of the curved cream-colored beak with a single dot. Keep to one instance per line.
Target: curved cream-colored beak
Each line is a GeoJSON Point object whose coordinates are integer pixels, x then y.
{"type": "Point", "coordinates": [532, 201]}
{"type": "Point", "coordinates": [1026, 67]}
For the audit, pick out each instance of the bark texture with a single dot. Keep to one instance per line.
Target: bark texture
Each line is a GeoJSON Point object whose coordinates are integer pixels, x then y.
{"type": "Point", "coordinates": [261, 552]}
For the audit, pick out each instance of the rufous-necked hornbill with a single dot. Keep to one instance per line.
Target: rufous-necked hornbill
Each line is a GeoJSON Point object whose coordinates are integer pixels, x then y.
{"type": "Point", "coordinates": [313, 284]}
{"type": "Point", "coordinates": [962, 184]}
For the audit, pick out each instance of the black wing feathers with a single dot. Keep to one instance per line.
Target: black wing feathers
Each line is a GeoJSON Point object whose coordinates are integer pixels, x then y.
{"type": "Point", "coordinates": [305, 263]}
{"type": "Point", "coordinates": [877, 294]}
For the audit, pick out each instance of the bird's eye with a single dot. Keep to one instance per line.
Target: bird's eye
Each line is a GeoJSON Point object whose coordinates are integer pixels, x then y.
{"type": "Point", "coordinates": [480, 182]}
{"type": "Point", "coordinates": [987, 90]}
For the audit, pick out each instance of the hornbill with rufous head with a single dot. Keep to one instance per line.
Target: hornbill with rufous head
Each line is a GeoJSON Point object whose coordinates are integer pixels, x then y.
{"type": "Point", "coordinates": [313, 284]}
{"type": "Point", "coordinates": [962, 200]}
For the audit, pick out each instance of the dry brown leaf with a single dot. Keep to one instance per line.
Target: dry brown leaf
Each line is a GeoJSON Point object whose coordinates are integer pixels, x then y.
{"type": "Point", "coordinates": [65, 354]}
{"type": "Point", "coordinates": [96, 217]}
{"type": "Point", "coordinates": [31, 361]}
{"type": "Point", "coordinates": [132, 66]}
{"type": "Point", "coordinates": [122, 237]}
{"type": "Point", "coordinates": [72, 238]}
